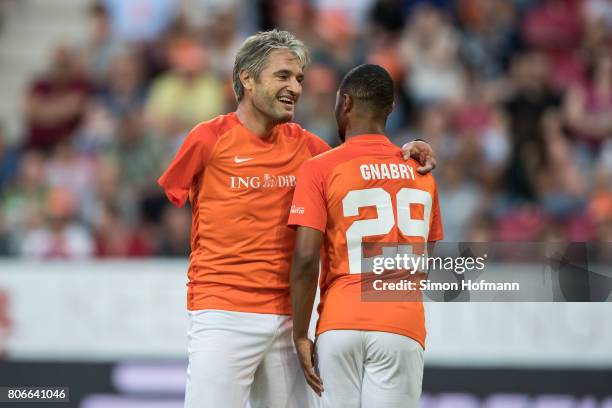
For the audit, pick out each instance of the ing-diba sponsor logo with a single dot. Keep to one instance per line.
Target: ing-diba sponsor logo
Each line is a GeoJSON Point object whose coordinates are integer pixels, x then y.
{"type": "Point", "coordinates": [261, 182]}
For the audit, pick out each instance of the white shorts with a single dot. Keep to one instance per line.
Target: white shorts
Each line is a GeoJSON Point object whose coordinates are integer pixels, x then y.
{"type": "Point", "coordinates": [235, 357]}
{"type": "Point", "coordinates": [369, 369]}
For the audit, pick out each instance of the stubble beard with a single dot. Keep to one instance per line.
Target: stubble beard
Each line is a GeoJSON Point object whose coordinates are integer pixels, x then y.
{"type": "Point", "coordinates": [268, 105]}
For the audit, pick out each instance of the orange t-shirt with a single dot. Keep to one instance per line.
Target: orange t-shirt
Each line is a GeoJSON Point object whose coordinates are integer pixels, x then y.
{"type": "Point", "coordinates": [240, 187]}
{"type": "Point", "coordinates": [364, 192]}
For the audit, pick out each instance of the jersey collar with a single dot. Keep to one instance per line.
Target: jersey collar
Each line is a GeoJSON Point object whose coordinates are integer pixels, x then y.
{"type": "Point", "coordinates": [373, 137]}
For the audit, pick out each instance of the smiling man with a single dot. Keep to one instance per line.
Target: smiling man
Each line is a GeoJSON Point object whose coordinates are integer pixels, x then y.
{"type": "Point", "coordinates": [239, 172]}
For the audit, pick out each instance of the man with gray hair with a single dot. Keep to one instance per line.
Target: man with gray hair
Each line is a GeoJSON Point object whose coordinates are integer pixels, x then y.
{"type": "Point", "coordinates": [239, 171]}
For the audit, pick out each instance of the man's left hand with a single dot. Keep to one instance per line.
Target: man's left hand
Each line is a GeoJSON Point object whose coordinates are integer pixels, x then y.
{"type": "Point", "coordinates": [421, 152]}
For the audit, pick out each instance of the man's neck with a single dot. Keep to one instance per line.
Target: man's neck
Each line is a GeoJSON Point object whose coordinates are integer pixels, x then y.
{"type": "Point", "coordinates": [254, 120]}
{"type": "Point", "coordinates": [364, 127]}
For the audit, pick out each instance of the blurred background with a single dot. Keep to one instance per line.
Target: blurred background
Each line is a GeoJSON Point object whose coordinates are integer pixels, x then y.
{"type": "Point", "coordinates": [515, 96]}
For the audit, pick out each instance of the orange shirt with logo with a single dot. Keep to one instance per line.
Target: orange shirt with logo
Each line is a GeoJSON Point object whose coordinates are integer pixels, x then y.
{"type": "Point", "coordinates": [240, 188]}
{"type": "Point", "coordinates": [365, 192]}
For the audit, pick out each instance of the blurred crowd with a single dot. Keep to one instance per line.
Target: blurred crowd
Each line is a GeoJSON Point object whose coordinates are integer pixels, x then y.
{"type": "Point", "coordinates": [515, 96]}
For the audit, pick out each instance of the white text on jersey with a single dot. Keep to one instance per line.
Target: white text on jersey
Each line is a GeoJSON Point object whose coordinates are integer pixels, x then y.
{"type": "Point", "coordinates": [266, 181]}
{"type": "Point", "coordinates": [383, 171]}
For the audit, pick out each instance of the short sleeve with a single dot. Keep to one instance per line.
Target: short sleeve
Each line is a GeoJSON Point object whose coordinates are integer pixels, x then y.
{"type": "Point", "coordinates": [309, 204]}
{"type": "Point", "coordinates": [189, 162]}
{"type": "Point", "coordinates": [435, 231]}
{"type": "Point", "coordinates": [315, 144]}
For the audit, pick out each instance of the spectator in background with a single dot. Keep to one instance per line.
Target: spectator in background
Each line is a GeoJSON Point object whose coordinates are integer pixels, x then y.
{"type": "Point", "coordinates": [557, 180]}
{"type": "Point", "coordinates": [221, 26]}
{"type": "Point", "coordinates": [22, 203]}
{"type": "Point", "coordinates": [459, 162]}
{"type": "Point", "coordinates": [295, 16]}
{"type": "Point", "coordinates": [429, 49]}
{"type": "Point", "coordinates": [122, 93]}
{"type": "Point", "coordinates": [489, 35]}
{"type": "Point", "coordinates": [386, 17]}
{"type": "Point", "coordinates": [113, 197]}
{"type": "Point", "coordinates": [481, 128]}
{"type": "Point", "coordinates": [55, 102]}
{"type": "Point", "coordinates": [460, 198]}
{"type": "Point", "coordinates": [186, 95]}
{"type": "Point", "coordinates": [69, 170]}
{"type": "Point", "coordinates": [102, 45]}
{"type": "Point", "coordinates": [318, 96]}
{"type": "Point", "coordinates": [597, 23]}
{"type": "Point", "coordinates": [201, 13]}
{"type": "Point", "coordinates": [531, 96]}
{"type": "Point", "coordinates": [599, 10]}
{"type": "Point", "coordinates": [9, 160]}
{"type": "Point", "coordinates": [221, 38]}
{"type": "Point", "coordinates": [114, 238]}
{"type": "Point", "coordinates": [5, 238]}
{"type": "Point", "coordinates": [336, 44]}
{"type": "Point", "coordinates": [588, 106]}
{"type": "Point", "coordinates": [433, 125]}
{"type": "Point", "coordinates": [553, 25]}
{"type": "Point", "coordinates": [124, 89]}
{"type": "Point", "coordinates": [355, 10]}
{"type": "Point", "coordinates": [60, 237]}
{"type": "Point", "coordinates": [140, 156]}
{"type": "Point", "coordinates": [381, 38]}
{"type": "Point", "coordinates": [480, 228]}
{"type": "Point", "coordinates": [176, 224]}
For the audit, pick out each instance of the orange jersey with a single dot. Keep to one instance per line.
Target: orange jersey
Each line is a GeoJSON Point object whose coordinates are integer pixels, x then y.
{"type": "Point", "coordinates": [240, 187]}
{"type": "Point", "coordinates": [364, 191]}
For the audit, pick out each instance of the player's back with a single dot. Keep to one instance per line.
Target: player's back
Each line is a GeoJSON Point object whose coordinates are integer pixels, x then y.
{"type": "Point", "coordinates": [372, 196]}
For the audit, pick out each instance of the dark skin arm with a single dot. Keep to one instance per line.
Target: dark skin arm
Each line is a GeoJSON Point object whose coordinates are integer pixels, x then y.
{"type": "Point", "coordinates": [423, 153]}
{"type": "Point", "coordinates": [304, 275]}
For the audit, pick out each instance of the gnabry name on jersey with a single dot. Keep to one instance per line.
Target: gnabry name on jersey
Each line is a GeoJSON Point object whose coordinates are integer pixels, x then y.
{"type": "Point", "coordinates": [386, 171]}
{"type": "Point", "coordinates": [265, 181]}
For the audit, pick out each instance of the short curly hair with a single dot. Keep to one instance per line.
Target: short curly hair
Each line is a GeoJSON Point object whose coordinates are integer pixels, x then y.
{"type": "Point", "coordinates": [370, 84]}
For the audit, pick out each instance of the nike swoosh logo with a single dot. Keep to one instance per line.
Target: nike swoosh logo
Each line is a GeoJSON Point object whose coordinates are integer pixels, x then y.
{"type": "Point", "coordinates": [239, 160]}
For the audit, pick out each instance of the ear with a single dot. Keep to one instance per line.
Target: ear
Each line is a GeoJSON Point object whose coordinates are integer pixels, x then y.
{"type": "Point", "coordinates": [247, 80]}
{"type": "Point", "coordinates": [347, 103]}
{"type": "Point", "coordinates": [391, 109]}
